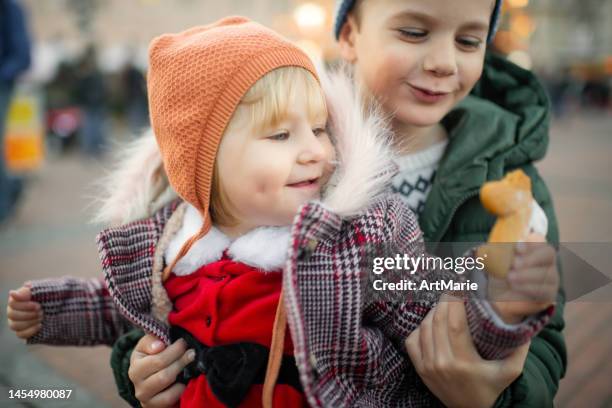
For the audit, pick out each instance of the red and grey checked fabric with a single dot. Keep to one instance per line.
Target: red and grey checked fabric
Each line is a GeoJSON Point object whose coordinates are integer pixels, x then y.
{"type": "Point", "coordinates": [348, 348]}
{"type": "Point", "coordinates": [77, 312]}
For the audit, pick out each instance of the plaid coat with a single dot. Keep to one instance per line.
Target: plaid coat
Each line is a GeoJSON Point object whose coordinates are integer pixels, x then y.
{"type": "Point", "coordinates": [348, 342]}
{"type": "Point", "coordinates": [348, 348]}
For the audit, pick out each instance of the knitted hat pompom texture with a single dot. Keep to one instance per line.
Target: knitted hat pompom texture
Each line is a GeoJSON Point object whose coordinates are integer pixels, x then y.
{"type": "Point", "coordinates": [195, 81]}
{"type": "Point", "coordinates": [343, 7]}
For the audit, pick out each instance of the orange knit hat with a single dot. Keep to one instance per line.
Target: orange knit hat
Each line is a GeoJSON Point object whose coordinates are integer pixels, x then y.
{"type": "Point", "coordinates": [196, 80]}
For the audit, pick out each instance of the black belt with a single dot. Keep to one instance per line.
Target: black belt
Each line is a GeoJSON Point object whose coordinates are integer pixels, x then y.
{"type": "Point", "coordinates": [231, 369]}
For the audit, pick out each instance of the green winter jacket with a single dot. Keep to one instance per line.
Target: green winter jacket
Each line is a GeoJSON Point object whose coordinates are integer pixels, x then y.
{"type": "Point", "coordinates": [502, 126]}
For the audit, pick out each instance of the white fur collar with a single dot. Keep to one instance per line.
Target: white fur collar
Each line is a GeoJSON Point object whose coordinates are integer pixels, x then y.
{"type": "Point", "coordinates": [264, 248]}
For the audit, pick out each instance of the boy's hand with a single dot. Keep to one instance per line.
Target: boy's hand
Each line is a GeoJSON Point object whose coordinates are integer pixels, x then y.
{"type": "Point", "coordinates": [153, 370]}
{"type": "Point", "coordinates": [532, 282]}
{"type": "Point", "coordinates": [444, 355]}
{"type": "Point", "coordinates": [24, 315]}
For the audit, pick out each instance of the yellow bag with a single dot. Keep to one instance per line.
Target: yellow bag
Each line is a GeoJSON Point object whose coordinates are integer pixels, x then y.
{"type": "Point", "coordinates": [25, 130]}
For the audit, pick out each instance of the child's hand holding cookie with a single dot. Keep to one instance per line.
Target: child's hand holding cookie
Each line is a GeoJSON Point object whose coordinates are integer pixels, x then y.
{"type": "Point", "coordinates": [24, 315]}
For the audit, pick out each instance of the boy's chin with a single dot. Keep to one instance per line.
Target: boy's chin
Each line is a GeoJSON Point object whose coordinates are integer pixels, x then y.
{"type": "Point", "coordinates": [421, 117]}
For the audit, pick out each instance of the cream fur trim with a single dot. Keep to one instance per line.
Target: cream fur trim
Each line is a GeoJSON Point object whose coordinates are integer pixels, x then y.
{"type": "Point", "coordinates": [161, 304]}
{"type": "Point", "coordinates": [363, 147]}
{"type": "Point", "coordinates": [136, 187]}
{"type": "Point", "coordinates": [207, 249]}
{"type": "Point", "coordinates": [264, 248]}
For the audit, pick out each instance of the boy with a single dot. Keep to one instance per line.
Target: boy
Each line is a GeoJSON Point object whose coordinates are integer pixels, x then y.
{"type": "Point", "coordinates": [421, 60]}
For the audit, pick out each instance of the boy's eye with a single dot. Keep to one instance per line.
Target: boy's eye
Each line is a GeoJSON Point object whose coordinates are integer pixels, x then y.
{"type": "Point", "coordinates": [470, 43]}
{"type": "Point", "coordinates": [413, 33]}
{"type": "Point", "coordinates": [279, 136]}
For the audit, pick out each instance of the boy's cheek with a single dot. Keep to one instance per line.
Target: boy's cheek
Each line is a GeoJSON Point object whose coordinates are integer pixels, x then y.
{"type": "Point", "coordinates": [470, 72]}
{"type": "Point", "coordinates": [378, 68]}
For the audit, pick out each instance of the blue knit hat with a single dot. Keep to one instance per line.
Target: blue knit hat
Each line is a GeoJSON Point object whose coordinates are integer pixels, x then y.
{"type": "Point", "coordinates": [345, 6]}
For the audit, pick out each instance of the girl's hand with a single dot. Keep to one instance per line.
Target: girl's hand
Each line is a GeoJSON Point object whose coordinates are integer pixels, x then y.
{"type": "Point", "coordinates": [24, 315]}
{"type": "Point", "coordinates": [532, 282]}
{"type": "Point", "coordinates": [153, 371]}
{"type": "Point", "coordinates": [444, 356]}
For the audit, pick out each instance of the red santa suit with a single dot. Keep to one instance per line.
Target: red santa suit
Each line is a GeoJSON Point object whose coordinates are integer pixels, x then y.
{"type": "Point", "coordinates": [226, 293]}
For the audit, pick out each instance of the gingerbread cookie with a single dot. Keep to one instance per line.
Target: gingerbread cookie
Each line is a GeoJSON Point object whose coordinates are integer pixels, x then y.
{"type": "Point", "coordinates": [518, 215]}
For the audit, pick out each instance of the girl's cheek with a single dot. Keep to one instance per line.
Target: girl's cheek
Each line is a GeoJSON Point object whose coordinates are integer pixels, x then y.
{"type": "Point", "coordinates": [261, 187]}
{"type": "Point", "coordinates": [266, 180]}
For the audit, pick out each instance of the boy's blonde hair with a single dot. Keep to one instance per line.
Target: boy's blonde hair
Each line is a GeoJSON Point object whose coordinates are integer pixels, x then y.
{"type": "Point", "coordinates": [263, 107]}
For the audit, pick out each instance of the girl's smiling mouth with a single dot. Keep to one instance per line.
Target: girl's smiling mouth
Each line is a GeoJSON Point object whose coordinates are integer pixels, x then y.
{"type": "Point", "coordinates": [308, 183]}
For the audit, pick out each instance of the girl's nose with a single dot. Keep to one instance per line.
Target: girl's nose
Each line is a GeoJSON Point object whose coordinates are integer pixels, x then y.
{"type": "Point", "coordinates": [312, 149]}
{"type": "Point", "coordinates": [441, 59]}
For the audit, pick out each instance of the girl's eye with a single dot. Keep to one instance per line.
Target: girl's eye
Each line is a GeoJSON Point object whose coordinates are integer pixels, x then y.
{"type": "Point", "coordinates": [469, 43]}
{"type": "Point", "coordinates": [413, 33]}
{"type": "Point", "coordinates": [280, 136]}
{"type": "Point", "coordinates": [319, 131]}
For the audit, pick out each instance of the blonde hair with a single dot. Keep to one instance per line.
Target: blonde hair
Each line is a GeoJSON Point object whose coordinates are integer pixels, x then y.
{"type": "Point", "coordinates": [264, 106]}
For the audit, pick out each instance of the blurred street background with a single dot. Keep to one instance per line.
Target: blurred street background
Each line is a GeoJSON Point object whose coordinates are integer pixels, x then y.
{"type": "Point", "coordinates": [85, 91]}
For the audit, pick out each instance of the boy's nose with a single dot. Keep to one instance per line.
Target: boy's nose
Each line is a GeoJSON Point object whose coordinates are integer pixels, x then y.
{"type": "Point", "coordinates": [441, 59]}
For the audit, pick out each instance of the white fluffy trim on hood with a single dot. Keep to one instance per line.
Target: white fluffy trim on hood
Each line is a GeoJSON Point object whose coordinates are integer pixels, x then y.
{"type": "Point", "coordinates": [366, 160]}
{"type": "Point", "coordinates": [137, 185]}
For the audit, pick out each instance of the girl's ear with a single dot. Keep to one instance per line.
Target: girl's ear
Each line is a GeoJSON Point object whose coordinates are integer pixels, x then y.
{"type": "Point", "coordinates": [346, 40]}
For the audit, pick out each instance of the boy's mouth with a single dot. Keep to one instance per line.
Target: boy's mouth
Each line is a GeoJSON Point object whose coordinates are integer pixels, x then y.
{"type": "Point", "coordinates": [428, 90]}
{"type": "Point", "coordinates": [427, 95]}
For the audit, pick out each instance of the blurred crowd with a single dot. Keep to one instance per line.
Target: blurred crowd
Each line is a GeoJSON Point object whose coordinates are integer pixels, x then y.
{"type": "Point", "coordinates": [571, 91]}
{"type": "Point", "coordinates": [84, 104]}
{"type": "Point", "coordinates": [81, 100]}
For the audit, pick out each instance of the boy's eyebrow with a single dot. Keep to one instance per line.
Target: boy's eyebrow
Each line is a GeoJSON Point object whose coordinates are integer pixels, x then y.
{"type": "Point", "coordinates": [476, 26]}
{"type": "Point", "coordinates": [416, 15]}
{"type": "Point", "coordinates": [428, 19]}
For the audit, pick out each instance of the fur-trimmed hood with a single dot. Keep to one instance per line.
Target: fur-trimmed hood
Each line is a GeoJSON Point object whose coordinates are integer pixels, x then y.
{"type": "Point", "coordinates": [137, 187]}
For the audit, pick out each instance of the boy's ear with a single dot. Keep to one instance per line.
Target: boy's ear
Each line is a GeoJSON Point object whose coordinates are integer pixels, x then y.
{"type": "Point", "coordinates": [346, 40]}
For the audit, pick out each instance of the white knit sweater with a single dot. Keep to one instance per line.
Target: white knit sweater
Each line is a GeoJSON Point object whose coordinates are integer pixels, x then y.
{"type": "Point", "coordinates": [416, 173]}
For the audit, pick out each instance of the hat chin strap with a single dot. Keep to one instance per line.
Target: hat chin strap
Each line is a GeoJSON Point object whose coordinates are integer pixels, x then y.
{"type": "Point", "coordinates": [206, 226]}
{"type": "Point", "coordinates": [276, 353]}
